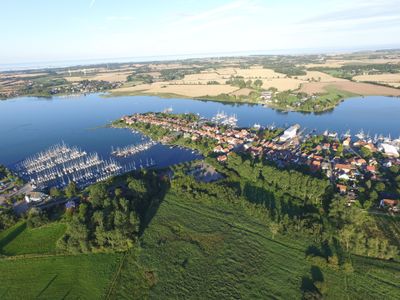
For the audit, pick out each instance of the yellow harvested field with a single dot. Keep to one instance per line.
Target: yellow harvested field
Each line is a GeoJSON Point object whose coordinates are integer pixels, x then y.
{"type": "Point", "coordinates": [329, 63]}
{"type": "Point", "coordinates": [319, 75]}
{"type": "Point", "coordinates": [258, 73]}
{"type": "Point", "coordinates": [223, 74]}
{"type": "Point", "coordinates": [109, 76]}
{"type": "Point", "coordinates": [226, 71]}
{"type": "Point", "coordinates": [358, 88]}
{"type": "Point", "coordinates": [282, 84]}
{"type": "Point", "coordinates": [19, 75]}
{"type": "Point", "coordinates": [204, 76]}
{"type": "Point", "coordinates": [337, 63]}
{"type": "Point", "coordinates": [390, 79]}
{"type": "Point", "coordinates": [183, 90]}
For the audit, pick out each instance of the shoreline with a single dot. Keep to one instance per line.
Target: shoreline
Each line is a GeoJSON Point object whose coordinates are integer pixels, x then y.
{"type": "Point", "coordinates": [202, 98]}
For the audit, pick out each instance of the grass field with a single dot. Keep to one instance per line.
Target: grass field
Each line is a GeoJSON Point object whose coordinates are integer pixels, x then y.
{"type": "Point", "coordinates": [20, 239]}
{"type": "Point", "coordinates": [41, 274]}
{"type": "Point", "coordinates": [390, 226]}
{"type": "Point", "coordinates": [194, 250]}
{"type": "Point", "coordinates": [57, 277]}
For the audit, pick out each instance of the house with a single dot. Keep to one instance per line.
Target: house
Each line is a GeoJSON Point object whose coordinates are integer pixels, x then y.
{"type": "Point", "coordinates": [267, 95]}
{"type": "Point", "coordinates": [218, 149]}
{"type": "Point", "coordinates": [222, 158]}
{"type": "Point", "coordinates": [388, 202]}
{"type": "Point", "coordinates": [371, 169]}
{"type": "Point", "coordinates": [289, 133]}
{"type": "Point", "coordinates": [346, 142]}
{"type": "Point", "coordinates": [389, 150]}
{"type": "Point", "coordinates": [342, 188]}
{"type": "Point", "coordinates": [70, 204]}
{"type": "Point", "coordinates": [36, 197]}
{"type": "Point", "coordinates": [344, 167]}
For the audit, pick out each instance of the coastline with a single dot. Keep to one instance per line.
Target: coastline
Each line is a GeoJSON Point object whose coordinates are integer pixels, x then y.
{"type": "Point", "coordinates": [217, 98]}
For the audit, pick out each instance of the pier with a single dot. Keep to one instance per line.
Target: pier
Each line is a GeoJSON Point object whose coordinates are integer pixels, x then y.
{"type": "Point", "coordinates": [132, 149]}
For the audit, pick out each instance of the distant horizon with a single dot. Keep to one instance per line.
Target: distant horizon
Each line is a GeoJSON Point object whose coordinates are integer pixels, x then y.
{"type": "Point", "coordinates": [35, 65]}
{"type": "Point", "coordinates": [83, 30]}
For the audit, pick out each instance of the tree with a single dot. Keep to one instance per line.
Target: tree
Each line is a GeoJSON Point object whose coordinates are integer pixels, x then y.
{"type": "Point", "coordinates": [346, 236]}
{"type": "Point", "coordinates": [258, 83]}
{"type": "Point", "coordinates": [339, 151]}
{"type": "Point", "coordinates": [274, 227]}
{"type": "Point", "coordinates": [36, 218]}
{"type": "Point", "coordinates": [98, 194]}
{"type": "Point", "coordinates": [380, 187]}
{"type": "Point", "coordinates": [55, 193]}
{"type": "Point", "coordinates": [71, 190]}
{"type": "Point", "coordinates": [365, 152]}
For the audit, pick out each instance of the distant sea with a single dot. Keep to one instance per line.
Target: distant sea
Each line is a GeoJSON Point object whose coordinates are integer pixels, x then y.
{"type": "Point", "coordinates": [87, 62]}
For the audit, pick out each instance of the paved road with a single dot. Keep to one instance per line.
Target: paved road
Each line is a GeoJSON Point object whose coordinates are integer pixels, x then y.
{"type": "Point", "coordinates": [25, 189]}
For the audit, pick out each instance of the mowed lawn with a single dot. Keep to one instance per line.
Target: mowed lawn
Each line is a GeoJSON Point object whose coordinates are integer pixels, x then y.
{"type": "Point", "coordinates": [193, 250]}
{"type": "Point", "coordinates": [20, 239]}
{"type": "Point", "coordinates": [57, 277]}
{"type": "Point", "coordinates": [43, 274]}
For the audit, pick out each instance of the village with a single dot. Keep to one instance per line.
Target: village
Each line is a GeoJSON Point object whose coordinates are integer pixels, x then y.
{"type": "Point", "coordinates": [349, 162]}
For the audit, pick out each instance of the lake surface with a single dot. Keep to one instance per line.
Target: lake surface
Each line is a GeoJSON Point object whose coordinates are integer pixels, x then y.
{"type": "Point", "coordinates": [30, 125]}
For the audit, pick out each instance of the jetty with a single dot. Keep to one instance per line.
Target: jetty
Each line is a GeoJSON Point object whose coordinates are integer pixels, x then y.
{"type": "Point", "coordinates": [132, 149]}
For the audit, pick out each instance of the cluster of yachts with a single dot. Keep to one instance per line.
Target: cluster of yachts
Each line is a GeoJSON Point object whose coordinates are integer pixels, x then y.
{"type": "Point", "coordinates": [132, 149]}
{"type": "Point", "coordinates": [224, 119]}
{"type": "Point", "coordinates": [61, 164]}
{"type": "Point", "coordinates": [361, 135]}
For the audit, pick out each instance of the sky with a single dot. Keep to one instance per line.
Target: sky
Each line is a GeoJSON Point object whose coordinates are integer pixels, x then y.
{"type": "Point", "coordinates": [49, 30]}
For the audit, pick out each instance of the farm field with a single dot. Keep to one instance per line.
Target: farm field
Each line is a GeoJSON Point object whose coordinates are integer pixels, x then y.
{"type": "Point", "coordinates": [57, 277]}
{"type": "Point", "coordinates": [107, 76]}
{"type": "Point", "coordinates": [359, 88]}
{"type": "Point", "coordinates": [188, 239]}
{"type": "Point", "coordinates": [389, 79]}
{"type": "Point", "coordinates": [20, 239]}
{"type": "Point", "coordinates": [187, 90]}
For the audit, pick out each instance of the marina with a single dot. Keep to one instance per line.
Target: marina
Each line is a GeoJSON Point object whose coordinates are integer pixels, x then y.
{"type": "Point", "coordinates": [132, 149]}
{"type": "Point", "coordinates": [222, 118]}
{"type": "Point", "coordinates": [29, 125]}
{"type": "Point", "coordinates": [61, 164]}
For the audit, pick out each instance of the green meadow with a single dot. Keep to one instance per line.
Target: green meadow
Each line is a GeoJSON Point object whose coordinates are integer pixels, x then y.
{"type": "Point", "coordinates": [20, 239]}
{"type": "Point", "coordinates": [57, 277]}
{"type": "Point", "coordinates": [197, 250]}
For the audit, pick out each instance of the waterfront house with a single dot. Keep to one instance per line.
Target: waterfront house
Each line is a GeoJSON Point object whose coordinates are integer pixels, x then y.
{"type": "Point", "coordinates": [289, 133]}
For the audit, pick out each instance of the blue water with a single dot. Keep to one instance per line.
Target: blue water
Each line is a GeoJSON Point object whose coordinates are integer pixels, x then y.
{"type": "Point", "coordinates": [29, 125]}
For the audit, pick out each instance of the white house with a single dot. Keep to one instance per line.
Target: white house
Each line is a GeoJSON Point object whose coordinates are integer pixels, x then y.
{"type": "Point", "coordinates": [35, 197]}
{"type": "Point", "coordinates": [289, 133]}
{"type": "Point", "coordinates": [389, 150]}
